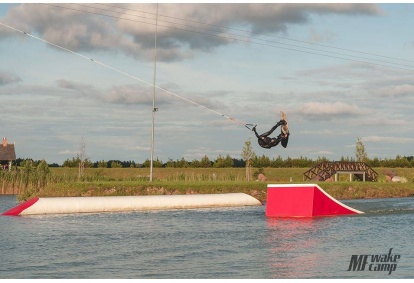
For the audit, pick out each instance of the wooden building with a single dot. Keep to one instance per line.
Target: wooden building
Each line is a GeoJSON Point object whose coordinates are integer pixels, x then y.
{"type": "Point", "coordinates": [7, 155]}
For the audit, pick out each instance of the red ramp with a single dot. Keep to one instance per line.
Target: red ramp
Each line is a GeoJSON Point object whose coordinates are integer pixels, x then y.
{"type": "Point", "coordinates": [303, 200]}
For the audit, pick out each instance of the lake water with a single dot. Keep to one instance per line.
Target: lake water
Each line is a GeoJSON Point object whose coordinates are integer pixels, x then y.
{"type": "Point", "coordinates": [207, 243]}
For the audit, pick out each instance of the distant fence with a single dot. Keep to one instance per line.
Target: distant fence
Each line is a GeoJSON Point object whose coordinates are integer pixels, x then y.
{"type": "Point", "coordinates": [326, 170]}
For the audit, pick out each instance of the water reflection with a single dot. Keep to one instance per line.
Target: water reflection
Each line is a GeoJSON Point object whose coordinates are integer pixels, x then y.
{"type": "Point", "coordinates": [206, 243]}
{"type": "Point", "coordinates": [292, 243]}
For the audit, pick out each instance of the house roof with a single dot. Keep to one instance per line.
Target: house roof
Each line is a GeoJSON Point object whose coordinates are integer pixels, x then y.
{"type": "Point", "coordinates": [7, 152]}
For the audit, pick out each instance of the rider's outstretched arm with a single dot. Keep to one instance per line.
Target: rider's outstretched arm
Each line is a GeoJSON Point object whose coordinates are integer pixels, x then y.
{"type": "Point", "coordinates": [254, 130]}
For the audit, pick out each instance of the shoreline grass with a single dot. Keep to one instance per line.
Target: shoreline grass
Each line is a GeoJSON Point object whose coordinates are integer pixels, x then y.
{"type": "Point", "coordinates": [339, 190]}
{"type": "Point", "coordinates": [64, 182]}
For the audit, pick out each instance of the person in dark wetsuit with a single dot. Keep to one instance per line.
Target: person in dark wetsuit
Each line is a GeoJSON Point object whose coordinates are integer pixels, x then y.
{"type": "Point", "coordinates": [266, 142]}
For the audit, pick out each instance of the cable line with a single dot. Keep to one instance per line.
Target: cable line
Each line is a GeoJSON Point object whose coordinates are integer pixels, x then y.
{"type": "Point", "coordinates": [125, 74]}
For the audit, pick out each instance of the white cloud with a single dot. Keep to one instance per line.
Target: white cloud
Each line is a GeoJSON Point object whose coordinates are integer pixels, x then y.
{"type": "Point", "coordinates": [131, 26]}
{"type": "Point", "coordinates": [382, 139]}
{"type": "Point", "coordinates": [324, 132]}
{"type": "Point", "coordinates": [376, 121]}
{"type": "Point", "coordinates": [129, 94]}
{"type": "Point", "coordinates": [404, 89]}
{"type": "Point", "coordinates": [326, 110]}
{"type": "Point", "coordinates": [68, 152]}
{"type": "Point", "coordinates": [121, 94]}
{"type": "Point", "coordinates": [323, 152]}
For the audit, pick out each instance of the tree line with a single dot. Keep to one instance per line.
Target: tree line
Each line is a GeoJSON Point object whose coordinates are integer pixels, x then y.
{"type": "Point", "coordinates": [226, 162]}
{"type": "Point", "coordinates": [249, 159]}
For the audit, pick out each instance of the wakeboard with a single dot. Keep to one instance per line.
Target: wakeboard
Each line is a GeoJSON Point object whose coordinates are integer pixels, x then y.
{"type": "Point", "coordinates": [284, 130]}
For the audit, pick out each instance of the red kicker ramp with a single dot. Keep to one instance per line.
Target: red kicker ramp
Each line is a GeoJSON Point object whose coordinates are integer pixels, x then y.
{"type": "Point", "coordinates": [303, 200]}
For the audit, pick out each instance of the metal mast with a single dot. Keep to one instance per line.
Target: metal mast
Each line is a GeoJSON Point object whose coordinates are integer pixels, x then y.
{"type": "Point", "coordinates": [153, 96]}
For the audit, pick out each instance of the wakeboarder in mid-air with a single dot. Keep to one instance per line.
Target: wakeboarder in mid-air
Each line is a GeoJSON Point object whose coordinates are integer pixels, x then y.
{"type": "Point", "coordinates": [266, 142]}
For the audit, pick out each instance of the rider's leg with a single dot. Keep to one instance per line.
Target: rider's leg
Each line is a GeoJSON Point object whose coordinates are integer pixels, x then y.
{"type": "Point", "coordinates": [281, 122]}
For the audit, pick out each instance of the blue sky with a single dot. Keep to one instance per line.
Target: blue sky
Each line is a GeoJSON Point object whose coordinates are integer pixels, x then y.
{"type": "Point", "coordinates": [50, 99]}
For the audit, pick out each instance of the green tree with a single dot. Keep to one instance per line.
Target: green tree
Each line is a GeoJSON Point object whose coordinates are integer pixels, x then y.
{"type": "Point", "coordinates": [401, 162]}
{"type": "Point", "coordinates": [360, 153]}
{"type": "Point", "coordinates": [219, 162]}
{"type": "Point", "coordinates": [248, 154]}
{"type": "Point", "coordinates": [82, 157]}
{"type": "Point", "coordinates": [374, 162]}
{"type": "Point", "coordinates": [277, 163]}
{"type": "Point", "coordinates": [205, 162]}
{"type": "Point", "coordinates": [42, 167]}
{"type": "Point", "coordinates": [43, 172]}
{"type": "Point", "coordinates": [170, 163]}
{"type": "Point", "coordinates": [182, 163]}
{"type": "Point", "coordinates": [28, 171]}
{"type": "Point", "coordinates": [156, 163]}
{"type": "Point", "coordinates": [102, 164]}
{"type": "Point", "coordinates": [223, 162]}
{"type": "Point", "coordinates": [116, 164]}
{"type": "Point", "coordinates": [71, 163]}
{"type": "Point", "coordinates": [195, 163]}
{"type": "Point", "coordinates": [262, 161]}
{"type": "Point", "coordinates": [288, 163]}
{"type": "Point", "coordinates": [27, 165]}
{"type": "Point", "coordinates": [228, 161]}
{"type": "Point", "coordinates": [146, 164]}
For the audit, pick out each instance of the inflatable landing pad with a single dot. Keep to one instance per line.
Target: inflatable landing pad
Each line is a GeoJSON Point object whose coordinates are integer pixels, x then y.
{"type": "Point", "coordinates": [65, 205]}
{"type": "Point", "coordinates": [303, 200]}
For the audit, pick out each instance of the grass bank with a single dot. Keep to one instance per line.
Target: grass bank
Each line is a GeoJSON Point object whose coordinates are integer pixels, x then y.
{"type": "Point", "coordinates": [125, 188]}
{"type": "Point", "coordinates": [134, 181]}
{"type": "Point", "coordinates": [339, 190]}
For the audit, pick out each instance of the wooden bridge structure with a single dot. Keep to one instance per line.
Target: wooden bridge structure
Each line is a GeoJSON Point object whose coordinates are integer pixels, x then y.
{"type": "Point", "coordinates": [326, 170]}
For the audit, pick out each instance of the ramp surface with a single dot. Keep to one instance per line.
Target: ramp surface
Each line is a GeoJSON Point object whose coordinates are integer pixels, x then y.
{"type": "Point", "coordinates": [303, 200]}
{"type": "Point", "coordinates": [64, 205]}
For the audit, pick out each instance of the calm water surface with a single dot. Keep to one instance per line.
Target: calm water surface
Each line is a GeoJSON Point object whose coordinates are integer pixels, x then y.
{"type": "Point", "coordinates": [205, 243]}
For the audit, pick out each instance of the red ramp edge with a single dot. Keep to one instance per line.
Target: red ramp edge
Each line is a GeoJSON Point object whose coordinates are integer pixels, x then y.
{"type": "Point", "coordinates": [303, 200]}
{"type": "Point", "coordinates": [21, 207]}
